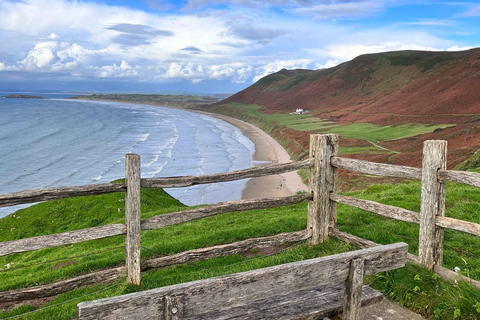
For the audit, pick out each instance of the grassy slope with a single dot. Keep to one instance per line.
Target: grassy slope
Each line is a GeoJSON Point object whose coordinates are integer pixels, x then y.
{"type": "Point", "coordinates": [308, 122]}
{"type": "Point", "coordinates": [412, 286]}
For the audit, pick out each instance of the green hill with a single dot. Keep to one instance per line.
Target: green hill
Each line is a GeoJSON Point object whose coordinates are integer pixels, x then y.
{"type": "Point", "coordinates": [385, 103]}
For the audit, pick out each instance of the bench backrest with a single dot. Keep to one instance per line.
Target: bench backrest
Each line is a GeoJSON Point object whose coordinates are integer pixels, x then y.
{"type": "Point", "coordinates": [199, 297]}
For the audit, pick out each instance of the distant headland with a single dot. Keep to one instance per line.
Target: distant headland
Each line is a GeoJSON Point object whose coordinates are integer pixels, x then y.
{"type": "Point", "coordinates": [22, 96]}
{"type": "Point", "coordinates": [152, 99]}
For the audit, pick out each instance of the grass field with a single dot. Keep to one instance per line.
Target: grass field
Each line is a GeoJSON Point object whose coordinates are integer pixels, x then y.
{"type": "Point", "coordinates": [314, 124]}
{"type": "Point", "coordinates": [412, 286]}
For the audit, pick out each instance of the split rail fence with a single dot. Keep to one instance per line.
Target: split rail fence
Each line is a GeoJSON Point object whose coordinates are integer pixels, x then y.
{"type": "Point", "coordinates": [322, 198]}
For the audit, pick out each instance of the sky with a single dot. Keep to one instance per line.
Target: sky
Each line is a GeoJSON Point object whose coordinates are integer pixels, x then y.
{"type": "Point", "coordinates": [218, 46]}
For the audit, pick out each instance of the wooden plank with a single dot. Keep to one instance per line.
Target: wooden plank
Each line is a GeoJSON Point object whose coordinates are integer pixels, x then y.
{"type": "Point", "coordinates": [430, 250]}
{"type": "Point", "coordinates": [239, 289]}
{"type": "Point", "coordinates": [453, 276]}
{"type": "Point", "coordinates": [52, 289]}
{"type": "Point", "coordinates": [459, 225]}
{"type": "Point", "coordinates": [132, 218]}
{"type": "Point", "coordinates": [471, 178]}
{"type": "Point", "coordinates": [363, 243]}
{"type": "Point", "coordinates": [176, 182]}
{"type": "Point", "coordinates": [353, 290]}
{"type": "Point", "coordinates": [36, 195]}
{"type": "Point", "coordinates": [317, 303]}
{"type": "Point", "coordinates": [379, 169]}
{"type": "Point", "coordinates": [59, 239]}
{"type": "Point", "coordinates": [378, 208]}
{"type": "Point", "coordinates": [172, 218]}
{"type": "Point", "coordinates": [352, 239]}
{"type": "Point", "coordinates": [225, 249]}
{"type": "Point", "coordinates": [322, 212]}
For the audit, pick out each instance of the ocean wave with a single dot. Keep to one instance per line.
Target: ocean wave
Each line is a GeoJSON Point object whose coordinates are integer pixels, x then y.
{"type": "Point", "coordinates": [165, 151]}
{"type": "Point", "coordinates": [144, 137]}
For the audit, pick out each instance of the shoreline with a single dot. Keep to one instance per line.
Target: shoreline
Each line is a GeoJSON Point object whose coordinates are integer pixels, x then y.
{"type": "Point", "coordinates": [267, 151]}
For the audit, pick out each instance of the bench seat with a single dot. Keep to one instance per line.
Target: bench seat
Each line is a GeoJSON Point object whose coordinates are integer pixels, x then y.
{"type": "Point", "coordinates": [299, 290]}
{"type": "Point", "coordinates": [317, 303]}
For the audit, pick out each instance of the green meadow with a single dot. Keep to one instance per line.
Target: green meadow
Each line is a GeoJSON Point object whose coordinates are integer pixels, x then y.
{"type": "Point", "coordinates": [411, 286]}
{"type": "Point", "coordinates": [311, 122]}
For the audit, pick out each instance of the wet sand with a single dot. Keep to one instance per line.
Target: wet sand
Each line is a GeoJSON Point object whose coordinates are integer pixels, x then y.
{"type": "Point", "coordinates": [267, 152]}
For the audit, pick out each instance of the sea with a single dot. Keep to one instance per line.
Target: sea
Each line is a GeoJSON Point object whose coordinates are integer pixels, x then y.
{"type": "Point", "coordinates": [59, 142]}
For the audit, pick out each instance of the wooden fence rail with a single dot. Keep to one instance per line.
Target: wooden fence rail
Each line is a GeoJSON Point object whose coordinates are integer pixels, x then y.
{"type": "Point", "coordinates": [379, 169]}
{"type": "Point", "coordinates": [36, 195]}
{"type": "Point", "coordinates": [177, 182]}
{"type": "Point", "coordinates": [322, 198]}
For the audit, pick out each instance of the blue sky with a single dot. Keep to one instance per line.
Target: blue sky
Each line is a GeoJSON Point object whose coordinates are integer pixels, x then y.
{"type": "Point", "coordinates": [219, 46]}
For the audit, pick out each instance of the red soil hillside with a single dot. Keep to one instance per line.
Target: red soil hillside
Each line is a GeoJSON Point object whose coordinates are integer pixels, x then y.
{"type": "Point", "coordinates": [385, 89]}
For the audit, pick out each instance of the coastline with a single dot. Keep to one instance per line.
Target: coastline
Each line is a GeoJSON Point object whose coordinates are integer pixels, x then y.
{"type": "Point", "coordinates": [267, 151]}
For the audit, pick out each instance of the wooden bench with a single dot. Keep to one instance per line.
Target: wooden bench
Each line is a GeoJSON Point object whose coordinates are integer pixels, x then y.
{"type": "Point", "coordinates": [310, 289]}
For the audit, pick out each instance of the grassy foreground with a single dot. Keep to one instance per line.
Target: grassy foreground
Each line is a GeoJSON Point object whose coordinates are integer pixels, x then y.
{"type": "Point", "coordinates": [412, 286]}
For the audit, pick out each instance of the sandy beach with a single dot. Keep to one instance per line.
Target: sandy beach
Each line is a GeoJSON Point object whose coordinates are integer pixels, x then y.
{"type": "Point", "coordinates": [267, 151]}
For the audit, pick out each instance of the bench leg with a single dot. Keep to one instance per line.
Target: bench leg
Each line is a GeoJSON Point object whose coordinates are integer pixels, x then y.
{"type": "Point", "coordinates": [353, 290]}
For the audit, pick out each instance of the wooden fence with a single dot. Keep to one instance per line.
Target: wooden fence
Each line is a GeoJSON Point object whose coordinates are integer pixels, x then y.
{"type": "Point", "coordinates": [323, 164]}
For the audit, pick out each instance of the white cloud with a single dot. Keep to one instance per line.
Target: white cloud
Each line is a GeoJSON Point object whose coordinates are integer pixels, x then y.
{"type": "Point", "coordinates": [188, 71]}
{"type": "Point", "coordinates": [242, 74]}
{"type": "Point", "coordinates": [121, 71]}
{"type": "Point", "coordinates": [48, 56]}
{"type": "Point", "coordinates": [41, 56]}
{"type": "Point", "coordinates": [2, 66]}
{"type": "Point", "coordinates": [237, 72]}
{"type": "Point", "coordinates": [473, 12]}
{"type": "Point", "coordinates": [329, 64]}
{"type": "Point", "coordinates": [331, 10]}
{"type": "Point", "coordinates": [53, 36]}
{"type": "Point", "coordinates": [457, 48]}
{"type": "Point", "coordinates": [68, 66]}
{"type": "Point", "coordinates": [434, 22]}
{"type": "Point", "coordinates": [278, 65]}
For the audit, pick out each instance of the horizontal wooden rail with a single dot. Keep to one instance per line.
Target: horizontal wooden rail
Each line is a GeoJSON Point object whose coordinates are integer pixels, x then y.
{"type": "Point", "coordinates": [363, 243]}
{"type": "Point", "coordinates": [36, 195]}
{"type": "Point", "coordinates": [225, 249]}
{"type": "Point", "coordinates": [452, 275]}
{"type": "Point", "coordinates": [52, 289]}
{"type": "Point", "coordinates": [177, 182]}
{"type": "Point", "coordinates": [459, 225]}
{"type": "Point", "coordinates": [406, 215]}
{"type": "Point", "coordinates": [172, 218]}
{"type": "Point", "coordinates": [48, 290]}
{"type": "Point", "coordinates": [379, 169]}
{"type": "Point", "coordinates": [53, 240]}
{"type": "Point", "coordinates": [378, 208]}
{"type": "Point", "coordinates": [471, 178]}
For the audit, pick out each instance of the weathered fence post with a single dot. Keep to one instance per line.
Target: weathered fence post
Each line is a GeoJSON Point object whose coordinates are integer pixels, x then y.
{"type": "Point", "coordinates": [352, 300]}
{"type": "Point", "coordinates": [322, 212]}
{"type": "Point", "coordinates": [132, 218]}
{"type": "Point", "coordinates": [430, 249]}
